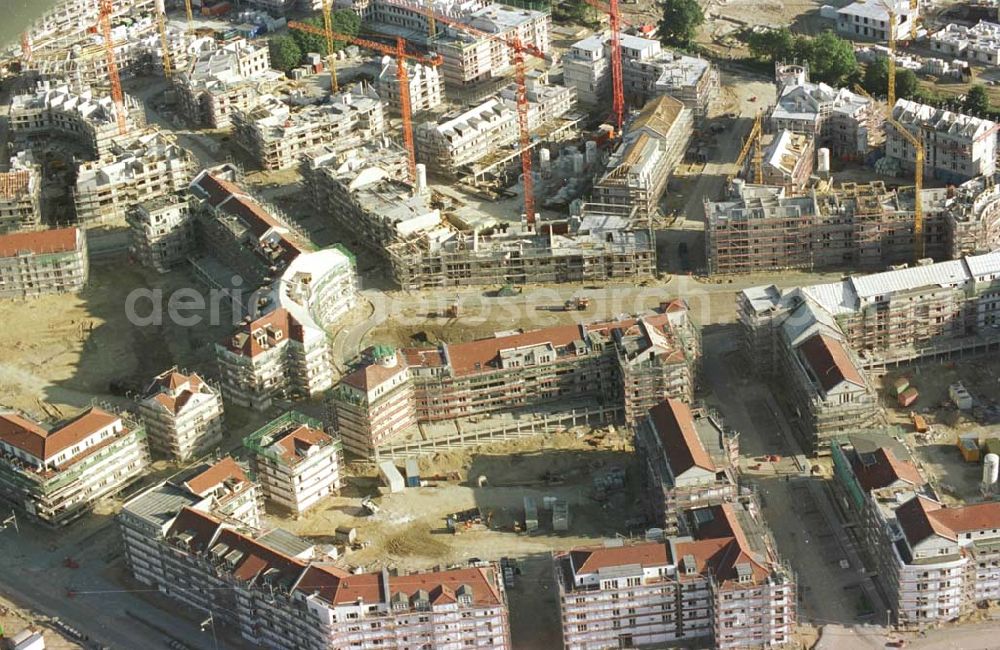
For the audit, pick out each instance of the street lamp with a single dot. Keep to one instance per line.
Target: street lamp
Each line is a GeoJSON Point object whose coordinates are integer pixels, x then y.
{"type": "Point", "coordinates": [210, 622]}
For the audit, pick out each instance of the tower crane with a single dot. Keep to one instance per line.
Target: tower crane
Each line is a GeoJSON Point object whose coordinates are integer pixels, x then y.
{"type": "Point", "coordinates": [754, 140]}
{"type": "Point", "coordinates": [104, 15]}
{"type": "Point", "coordinates": [519, 49]}
{"type": "Point", "coordinates": [617, 85]}
{"type": "Point", "coordinates": [187, 9]}
{"type": "Point", "coordinates": [919, 245]}
{"type": "Point", "coordinates": [26, 48]}
{"type": "Point", "coordinates": [168, 65]}
{"type": "Point", "coordinates": [402, 56]}
{"type": "Point", "coordinates": [328, 34]}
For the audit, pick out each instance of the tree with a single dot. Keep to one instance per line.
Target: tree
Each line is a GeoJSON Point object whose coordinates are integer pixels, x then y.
{"type": "Point", "coordinates": [771, 44]}
{"type": "Point", "coordinates": [285, 52]}
{"type": "Point", "coordinates": [876, 80]}
{"type": "Point", "coordinates": [831, 59]}
{"type": "Point", "coordinates": [346, 22]}
{"type": "Point", "coordinates": [680, 22]}
{"type": "Point", "coordinates": [977, 101]}
{"type": "Point", "coordinates": [311, 42]}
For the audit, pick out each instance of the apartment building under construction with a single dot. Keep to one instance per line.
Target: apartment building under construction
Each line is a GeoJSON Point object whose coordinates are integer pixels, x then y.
{"type": "Point", "coordinates": [217, 82]}
{"type": "Point", "coordinates": [57, 473]}
{"type": "Point", "coordinates": [161, 231]}
{"type": "Point", "coordinates": [653, 144]}
{"type": "Point", "coordinates": [142, 168]}
{"type": "Point", "coordinates": [42, 262]}
{"type": "Point", "coordinates": [21, 194]}
{"type": "Point", "coordinates": [719, 582]}
{"type": "Point", "coordinates": [857, 226]}
{"type": "Point", "coordinates": [627, 365]}
{"type": "Point", "coordinates": [183, 415]}
{"type": "Point", "coordinates": [280, 591]}
{"type": "Point", "coordinates": [690, 460]}
{"type": "Point", "coordinates": [84, 117]}
{"type": "Point", "coordinates": [276, 134]}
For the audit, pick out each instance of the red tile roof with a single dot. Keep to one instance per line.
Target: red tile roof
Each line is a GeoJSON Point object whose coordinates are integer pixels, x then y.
{"type": "Point", "coordinates": [720, 546]}
{"type": "Point", "coordinates": [279, 320]}
{"type": "Point", "coordinates": [35, 440]}
{"type": "Point", "coordinates": [338, 587]}
{"type": "Point", "coordinates": [201, 526]}
{"type": "Point", "coordinates": [830, 362]}
{"type": "Point", "coordinates": [258, 558]}
{"type": "Point", "coordinates": [914, 517]}
{"type": "Point", "coordinates": [299, 440]}
{"type": "Point", "coordinates": [57, 240]}
{"type": "Point", "coordinates": [173, 390]}
{"type": "Point", "coordinates": [970, 518]}
{"type": "Point", "coordinates": [464, 357]}
{"type": "Point", "coordinates": [675, 426]}
{"type": "Point", "coordinates": [225, 470]}
{"type": "Point", "coordinates": [885, 470]}
{"type": "Point", "coordinates": [13, 184]}
{"type": "Point", "coordinates": [374, 374]}
{"type": "Point", "coordinates": [649, 554]}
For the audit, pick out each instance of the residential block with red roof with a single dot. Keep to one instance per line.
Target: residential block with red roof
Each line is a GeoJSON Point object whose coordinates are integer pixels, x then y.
{"type": "Point", "coordinates": [35, 263]}
{"type": "Point", "coordinates": [296, 462]}
{"type": "Point", "coordinates": [935, 563]}
{"type": "Point", "coordinates": [281, 592]}
{"type": "Point", "coordinates": [183, 415]}
{"type": "Point", "coordinates": [690, 460]}
{"type": "Point", "coordinates": [623, 366]}
{"type": "Point", "coordinates": [721, 582]}
{"type": "Point", "coordinates": [57, 473]}
{"type": "Point", "coordinates": [21, 194]}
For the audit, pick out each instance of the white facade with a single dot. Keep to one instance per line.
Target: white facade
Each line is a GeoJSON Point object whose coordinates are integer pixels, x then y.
{"type": "Point", "coordinates": [870, 20]}
{"type": "Point", "coordinates": [957, 147]}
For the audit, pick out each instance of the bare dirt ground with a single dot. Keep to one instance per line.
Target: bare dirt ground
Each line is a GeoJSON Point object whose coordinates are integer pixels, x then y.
{"type": "Point", "coordinates": [14, 619]}
{"type": "Point", "coordinates": [64, 350]}
{"type": "Point", "coordinates": [410, 533]}
{"type": "Point", "coordinates": [937, 453]}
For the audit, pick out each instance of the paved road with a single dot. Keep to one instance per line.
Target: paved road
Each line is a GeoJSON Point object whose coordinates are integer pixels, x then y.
{"type": "Point", "coordinates": [34, 577]}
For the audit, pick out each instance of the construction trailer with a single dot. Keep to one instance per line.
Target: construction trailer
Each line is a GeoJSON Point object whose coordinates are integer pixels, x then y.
{"type": "Point", "coordinates": [391, 477]}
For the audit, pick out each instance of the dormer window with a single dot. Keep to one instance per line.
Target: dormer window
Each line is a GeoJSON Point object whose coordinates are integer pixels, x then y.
{"type": "Point", "coordinates": [744, 573]}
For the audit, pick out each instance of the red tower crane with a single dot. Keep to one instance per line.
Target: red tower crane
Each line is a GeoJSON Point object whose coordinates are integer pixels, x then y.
{"type": "Point", "coordinates": [519, 49]}
{"type": "Point", "coordinates": [617, 85]}
{"type": "Point", "coordinates": [116, 84]}
{"type": "Point", "coordinates": [401, 56]}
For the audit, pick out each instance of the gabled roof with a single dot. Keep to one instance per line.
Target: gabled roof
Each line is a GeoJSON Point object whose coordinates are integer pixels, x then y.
{"type": "Point", "coordinates": [589, 560]}
{"type": "Point", "coordinates": [374, 374]}
{"type": "Point", "coordinates": [914, 517]}
{"type": "Point", "coordinates": [675, 428]}
{"type": "Point", "coordinates": [830, 362]}
{"type": "Point", "coordinates": [658, 114]}
{"type": "Point", "coordinates": [201, 527]}
{"type": "Point", "coordinates": [721, 547]}
{"type": "Point", "coordinates": [32, 438]}
{"type": "Point", "coordinates": [172, 391]}
{"type": "Point", "coordinates": [214, 475]}
{"type": "Point", "coordinates": [295, 442]}
{"type": "Point", "coordinates": [884, 469]}
{"type": "Point", "coordinates": [57, 240]}
{"type": "Point", "coordinates": [258, 559]}
{"type": "Point", "coordinates": [338, 587]}
{"type": "Point", "coordinates": [278, 320]}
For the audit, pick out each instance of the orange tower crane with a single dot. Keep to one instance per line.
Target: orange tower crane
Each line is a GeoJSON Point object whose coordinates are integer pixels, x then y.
{"type": "Point", "coordinates": [402, 56]}
{"type": "Point", "coordinates": [519, 49]}
{"type": "Point", "coordinates": [109, 48]}
{"type": "Point", "coordinates": [617, 85]}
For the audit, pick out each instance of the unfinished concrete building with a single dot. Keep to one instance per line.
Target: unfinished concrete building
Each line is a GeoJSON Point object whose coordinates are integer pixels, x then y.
{"type": "Point", "coordinates": [846, 123]}
{"type": "Point", "coordinates": [625, 365]}
{"type": "Point", "coordinates": [648, 72]}
{"type": "Point", "coordinates": [426, 86]}
{"type": "Point", "coordinates": [690, 461]}
{"type": "Point", "coordinates": [220, 81]}
{"type": "Point", "coordinates": [55, 474]}
{"type": "Point", "coordinates": [721, 582]}
{"type": "Point", "coordinates": [461, 144]}
{"type": "Point", "coordinates": [21, 194]}
{"type": "Point", "coordinates": [83, 117]}
{"type": "Point", "coordinates": [957, 147]}
{"type": "Point", "coordinates": [468, 59]}
{"type": "Point", "coordinates": [788, 161]}
{"type": "Point", "coordinates": [639, 169]}
{"type": "Point", "coordinates": [183, 415]}
{"type": "Point", "coordinates": [296, 462]}
{"type": "Point", "coordinates": [67, 21]}
{"type": "Point", "coordinates": [43, 262]}
{"type": "Point", "coordinates": [856, 226]}
{"type": "Point", "coordinates": [423, 248]}
{"type": "Point", "coordinates": [979, 43]}
{"type": "Point", "coordinates": [143, 168]}
{"type": "Point", "coordinates": [972, 211]}
{"type": "Point", "coordinates": [281, 592]}
{"type": "Point", "coordinates": [162, 231]}
{"type": "Point", "coordinates": [276, 134]}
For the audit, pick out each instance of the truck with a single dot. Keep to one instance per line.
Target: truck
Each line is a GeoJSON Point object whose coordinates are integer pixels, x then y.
{"type": "Point", "coordinates": [576, 304]}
